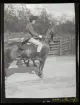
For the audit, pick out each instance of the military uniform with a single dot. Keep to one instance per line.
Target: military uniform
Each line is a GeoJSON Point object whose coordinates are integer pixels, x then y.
{"type": "Point", "coordinates": [31, 32]}
{"type": "Point", "coordinates": [30, 38]}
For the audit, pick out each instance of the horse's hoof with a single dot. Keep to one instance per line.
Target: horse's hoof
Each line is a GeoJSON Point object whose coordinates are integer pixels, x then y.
{"type": "Point", "coordinates": [19, 64]}
{"type": "Point", "coordinates": [40, 75]}
{"type": "Point", "coordinates": [27, 65]}
{"type": "Point", "coordinates": [33, 72]}
{"type": "Point", "coordinates": [35, 65]}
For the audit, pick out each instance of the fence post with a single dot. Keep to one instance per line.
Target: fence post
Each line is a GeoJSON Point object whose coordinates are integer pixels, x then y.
{"type": "Point", "coordinates": [71, 44]}
{"type": "Point", "coordinates": [7, 36]}
{"type": "Point", "coordinates": [59, 46]}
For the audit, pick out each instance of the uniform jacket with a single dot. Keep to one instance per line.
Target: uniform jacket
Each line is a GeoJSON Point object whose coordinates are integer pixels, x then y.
{"type": "Point", "coordinates": [30, 30]}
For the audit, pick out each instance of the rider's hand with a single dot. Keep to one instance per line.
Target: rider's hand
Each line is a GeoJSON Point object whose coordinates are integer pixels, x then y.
{"type": "Point", "coordinates": [40, 36]}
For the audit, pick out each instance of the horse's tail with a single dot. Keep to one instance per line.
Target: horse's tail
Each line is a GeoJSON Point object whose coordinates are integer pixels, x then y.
{"type": "Point", "coordinates": [13, 52]}
{"type": "Point", "coordinates": [7, 58]}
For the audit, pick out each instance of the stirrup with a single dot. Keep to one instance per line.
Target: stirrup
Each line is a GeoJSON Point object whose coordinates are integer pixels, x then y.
{"type": "Point", "coordinates": [20, 48]}
{"type": "Point", "coordinates": [24, 42]}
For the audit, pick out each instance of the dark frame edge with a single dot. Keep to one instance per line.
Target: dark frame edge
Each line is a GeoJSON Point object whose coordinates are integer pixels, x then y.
{"type": "Point", "coordinates": [2, 46]}
{"type": "Point", "coordinates": [77, 49]}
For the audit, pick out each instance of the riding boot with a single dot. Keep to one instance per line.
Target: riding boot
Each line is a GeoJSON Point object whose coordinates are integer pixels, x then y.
{"type": "Point", "coordinates": [22, 44]}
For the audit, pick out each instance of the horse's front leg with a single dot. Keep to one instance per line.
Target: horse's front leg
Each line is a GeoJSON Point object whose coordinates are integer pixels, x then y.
{"type": "Point", "coordinates": [27, 63]}
{"type": "Point", "coordinates": [34, 63]}
{"type": "Point", "coordinates": [19, 62]}
{"type": "Point", "coordinates": [41, 67]}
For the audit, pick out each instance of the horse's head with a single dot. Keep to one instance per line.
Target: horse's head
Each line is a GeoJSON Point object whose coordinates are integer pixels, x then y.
{"type": "Point", "coordinates": [47, 38]}
{"type": "Point", "coordinates": [50, 36]}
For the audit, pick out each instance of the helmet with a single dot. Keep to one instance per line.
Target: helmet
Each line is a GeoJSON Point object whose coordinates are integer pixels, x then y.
{"type": "Point", "coordinates": [33, 18]}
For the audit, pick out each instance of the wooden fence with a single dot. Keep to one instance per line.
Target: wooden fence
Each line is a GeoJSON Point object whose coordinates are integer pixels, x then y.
{"type": "Point", "coordinates": [63, 46]}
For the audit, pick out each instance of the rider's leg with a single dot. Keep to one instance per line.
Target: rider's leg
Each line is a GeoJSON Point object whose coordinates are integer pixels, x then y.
{"type": "Point", "coordinates": [36, 42]}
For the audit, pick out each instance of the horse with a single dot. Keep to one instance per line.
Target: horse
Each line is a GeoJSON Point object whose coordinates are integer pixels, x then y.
{"type": "Point", "coordinates": [13, 52]}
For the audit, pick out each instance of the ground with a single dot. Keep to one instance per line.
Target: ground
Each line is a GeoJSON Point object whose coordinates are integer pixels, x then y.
{"type": "Point", "coordinates": [59, 79]}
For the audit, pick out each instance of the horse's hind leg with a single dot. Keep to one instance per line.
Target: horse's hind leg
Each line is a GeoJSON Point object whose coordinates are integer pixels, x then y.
{"type": "Point", "coordinates": [19, 63]}
{"type": "Point", "coordinates": [27, 63]}
{"type": "Point", "coordinates": [40, 70]}
{"type": "Point", "coordinates": [34, 63]}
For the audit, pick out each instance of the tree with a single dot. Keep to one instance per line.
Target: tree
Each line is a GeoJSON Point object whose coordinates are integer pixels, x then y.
{"type": "Point", "coordinates": [15, 19]}
{"type": "Point", "coordinates": [42, 23]}
{"type": "Point", "coordinates": [67, 28]}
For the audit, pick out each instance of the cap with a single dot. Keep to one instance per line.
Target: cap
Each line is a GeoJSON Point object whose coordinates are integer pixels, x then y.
{"type": "Point", "coordinates": [33, 18]}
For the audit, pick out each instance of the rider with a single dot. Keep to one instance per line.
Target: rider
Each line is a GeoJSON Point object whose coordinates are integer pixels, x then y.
{"type": "Point", "coordinates": [32, 33]}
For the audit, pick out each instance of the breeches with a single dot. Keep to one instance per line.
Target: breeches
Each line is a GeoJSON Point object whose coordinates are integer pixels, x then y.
{"type": "Point", "coordinates": [36, 42]}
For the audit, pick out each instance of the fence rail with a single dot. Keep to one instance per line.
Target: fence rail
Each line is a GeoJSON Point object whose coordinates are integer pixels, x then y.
{"type": "Point", "coordinates": [63, 45]}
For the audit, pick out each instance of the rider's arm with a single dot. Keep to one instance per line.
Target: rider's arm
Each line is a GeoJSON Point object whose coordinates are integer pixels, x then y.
{"type": "Point", "coordinates": [32, 32]}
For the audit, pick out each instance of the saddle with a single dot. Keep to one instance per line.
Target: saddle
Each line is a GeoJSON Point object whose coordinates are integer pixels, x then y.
{"type": "Point", "coordinates": [23, 44]}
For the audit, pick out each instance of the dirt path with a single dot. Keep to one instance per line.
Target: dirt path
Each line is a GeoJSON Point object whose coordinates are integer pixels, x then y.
{"type": "Point", "coordinates": [59, 80]}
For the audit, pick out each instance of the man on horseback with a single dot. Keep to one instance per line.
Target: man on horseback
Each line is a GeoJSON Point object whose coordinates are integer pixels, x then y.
{"type": "Point", "coordinates": [31, 34]}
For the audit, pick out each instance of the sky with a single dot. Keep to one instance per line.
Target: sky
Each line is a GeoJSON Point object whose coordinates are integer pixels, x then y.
{"type": "Point", "coordinates": [57, 9]}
